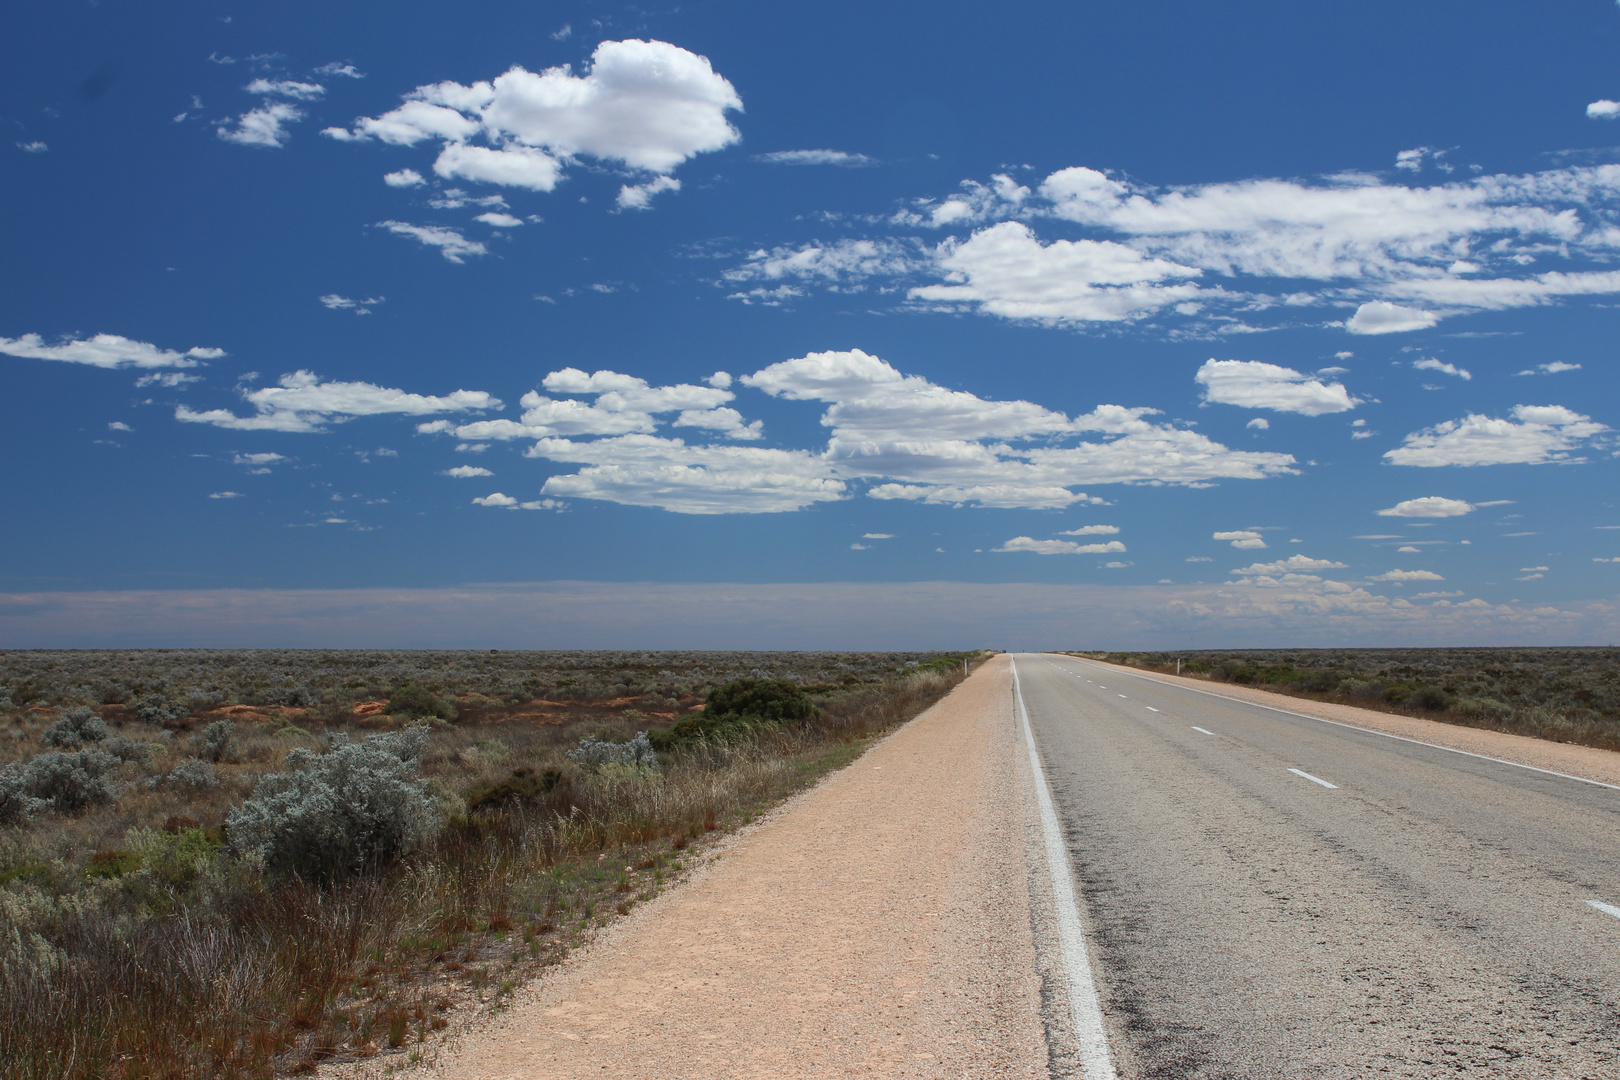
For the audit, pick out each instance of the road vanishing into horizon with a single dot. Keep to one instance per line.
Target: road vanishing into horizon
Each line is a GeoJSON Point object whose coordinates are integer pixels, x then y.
{"type": "Point", "coordinates": [1270, 895]}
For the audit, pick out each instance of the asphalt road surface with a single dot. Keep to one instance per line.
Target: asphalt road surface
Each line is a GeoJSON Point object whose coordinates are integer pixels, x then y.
{"type": "Point", "coordinates": [1272, 896]}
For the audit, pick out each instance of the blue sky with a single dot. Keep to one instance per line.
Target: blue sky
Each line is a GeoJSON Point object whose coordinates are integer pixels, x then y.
{"type": "Point", "coordinates": [1251, 323]}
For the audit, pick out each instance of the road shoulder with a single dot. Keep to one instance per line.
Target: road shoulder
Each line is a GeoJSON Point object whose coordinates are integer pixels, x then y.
{"type": "Point", "coordinates": [877, 924]}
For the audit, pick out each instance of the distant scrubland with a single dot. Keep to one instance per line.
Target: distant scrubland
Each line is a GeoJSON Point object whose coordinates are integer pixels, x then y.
{"type": "Point", "coordinates": [1563, 694]}
{"type": "Point", "coordinates": [243, 863]}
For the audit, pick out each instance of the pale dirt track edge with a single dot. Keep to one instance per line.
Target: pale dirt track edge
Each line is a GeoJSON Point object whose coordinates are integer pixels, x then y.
{"type": "Point", "coordinates": [1586, 762]}
{"type": "Point", "coordinates": [879, 924]}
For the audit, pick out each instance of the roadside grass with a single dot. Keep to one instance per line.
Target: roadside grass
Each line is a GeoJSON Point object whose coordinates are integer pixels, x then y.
{"type": "Point", "coordinates": [135, 943]}
{"type": "Point", "coordinates": [1569, 695]}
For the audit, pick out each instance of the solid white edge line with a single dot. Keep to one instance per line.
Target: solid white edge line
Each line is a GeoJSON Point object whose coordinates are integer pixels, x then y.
{"type": "Point", "coordinates": [1312, 779]}
{"type": "Point", "coordinates": [1084, 1007]}
{"type": "Point", "coordinates": [1150, 708]}
{"type": "Point", "coordinates": [1206, 731]}
{"type": "Point", "coordinates": [1383, 734]}
{"type": "Point", "coordinates": [1607, 909]}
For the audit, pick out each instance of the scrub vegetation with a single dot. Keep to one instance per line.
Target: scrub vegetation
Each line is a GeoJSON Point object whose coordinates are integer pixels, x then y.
{"type": "Point", "coordinates": [242, 864]}
{"type": "Point", "coordinates": [1563, 694]}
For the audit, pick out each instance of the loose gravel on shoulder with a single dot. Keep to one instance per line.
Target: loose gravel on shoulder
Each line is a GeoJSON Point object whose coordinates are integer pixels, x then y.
{"type": "Point", "coordinates": [877, 925]}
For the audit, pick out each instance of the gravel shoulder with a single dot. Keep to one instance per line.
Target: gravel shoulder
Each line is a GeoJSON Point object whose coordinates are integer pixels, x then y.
{"type": "Point", "coordinates": [1583, 761]}
{"type": "Point", "coordinates": [876, 925]}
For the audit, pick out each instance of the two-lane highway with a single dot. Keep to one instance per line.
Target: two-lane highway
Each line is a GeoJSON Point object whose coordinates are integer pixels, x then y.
{"type": "Point", "coordinates": [1272, 896]}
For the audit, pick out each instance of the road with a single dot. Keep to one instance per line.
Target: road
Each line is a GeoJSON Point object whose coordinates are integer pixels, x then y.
{"type": "Point", "coordinates": [1272, 896]}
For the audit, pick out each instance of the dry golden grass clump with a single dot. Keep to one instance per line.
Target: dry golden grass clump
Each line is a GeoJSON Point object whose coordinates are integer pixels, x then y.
{"type": "Point", "coordinates": [220, 883]}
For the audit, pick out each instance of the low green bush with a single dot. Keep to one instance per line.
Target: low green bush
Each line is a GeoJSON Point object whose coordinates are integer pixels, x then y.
{"type": "Point", "coordinates": [736, 710]}
{"type": "Point", "coordinates": [419, 702]}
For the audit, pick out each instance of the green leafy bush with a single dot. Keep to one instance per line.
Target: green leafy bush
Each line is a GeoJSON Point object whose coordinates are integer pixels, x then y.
{"type": "Point", "coordinates": [736, 710]}
{"type": "Point", "coordinates": [421, 703]}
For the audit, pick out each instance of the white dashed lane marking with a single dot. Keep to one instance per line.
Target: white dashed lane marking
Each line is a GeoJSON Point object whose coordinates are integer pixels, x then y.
{"type": "Point", "coordinates": [1312, 779]}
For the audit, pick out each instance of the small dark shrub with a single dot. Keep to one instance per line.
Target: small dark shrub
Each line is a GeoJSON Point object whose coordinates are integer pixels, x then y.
{"type": "Point", "coordinates": [112, 864]}
{"type": "Point", "coordinates": [177, 823]}
{"type": "Point", "coordinates": [217, 741]}
{"type": "Point", "coordinates": [125, 748]}
{"type": "Point", "coordinates": [193, 775]}
{"type": "Point", "coordinates": [77, 727]}
{"type": "Point", "coordinates": [421, 703]}
{"type": "Point", "coordinates": [1430, 699]}
{"type": "Point", "coordinates": [523, 787]}
{"type": "Point", "coordinates": [159, 711]}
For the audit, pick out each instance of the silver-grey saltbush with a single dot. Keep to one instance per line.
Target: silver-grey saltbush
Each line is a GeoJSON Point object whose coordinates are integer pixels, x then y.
{"type": "Point", "coordinates": [76, 727]}
{"type": "Point", "coordinates": [594, 753]}
{"type": "Point", "coordinates": [358, 806]}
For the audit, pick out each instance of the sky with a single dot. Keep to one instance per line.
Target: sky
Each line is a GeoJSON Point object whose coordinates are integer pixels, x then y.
{"type": "Point", "coordinates": [835, 325]}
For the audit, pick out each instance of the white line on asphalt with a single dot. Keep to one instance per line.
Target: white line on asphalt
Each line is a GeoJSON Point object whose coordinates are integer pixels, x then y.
{"type": "Point", "coordinates": [1312, 779]}
{"type": "Point", "coordinates": [1607, 909]}
{"type": "Point", "coordinates": [1150, 708]}
{"type": "Point", "coordinates": [1206, 731]}
{"type": "Point", "coordinates": [1086, 1011]}
{"type": "Point", "coordinates": [1122, 695]}
{"type": "Point", "coordinates": [1381, 734]}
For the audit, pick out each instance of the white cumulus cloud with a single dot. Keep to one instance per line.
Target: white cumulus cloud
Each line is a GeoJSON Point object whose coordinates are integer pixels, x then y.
{"type": "Point", "coordinates": [467, 472]}
{"type": "Point", "coordinates": [1535, 435]}
{"type": "Point", "coordinates": [1428, 363]}
{"type": "Point", "coordinates": [648, 105]}
{"type": "Point", "coordinates": [1294, 564]}
{"type": "Point", "coordinates": [639, 196]}
{"type": "Point", "coordinates": [451, 244]}
{"type": "Point", "coordinates": [403, 178]}
{"type": "Point", "coordinates": [947, 446]}
{"type": "Point", "coordinates": [1383, 317]}
{"type": "Point", "coordinates": [498, 220]}
{"type": "Point", "coordinates": [1603, 109]}
{"type": "Point", "coordinates": [303, 403]}
{"type": "Point", "coordinates": [1557, 367]}
{"type": "Point", "coordinates": [106, 351]}
{"type": "Point", "coordinates": [287, 88]}
{"type": "Point", "coordinates": [1407, 575]}
{"type": "Point", "coordinates": [1430, 506]}
{"type": "Point", "coordinates": [265, 126]}
{"type": "Point", "coordinates": [1253, 384]}
{"type": "Point", "coordinates": [1241, 538]}
{"type": "Point", "coordinates": [1005, 270]}
{"type": "Point", "coordinates": [1091, 530]}
{"type": "Point", "coordinates": [1058, 547]}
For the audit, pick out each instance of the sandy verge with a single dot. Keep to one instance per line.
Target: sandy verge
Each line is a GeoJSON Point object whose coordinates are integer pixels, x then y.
{"type": "Point", "coordinates": [876, 925]}
{"type": "Point", "coordinates": [1583, 761]}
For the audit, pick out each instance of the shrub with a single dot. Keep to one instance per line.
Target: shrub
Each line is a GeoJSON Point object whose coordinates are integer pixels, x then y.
{"type": "Point", "coordinates": [595, 753]}
{"type": "Point", "coordinates": [193, 775]}
{"type": "Point", "coordinates": [125, 748]}
{"type": "Point", "coordinates": [770, 701]}
{"type": "Point", "coordinates": [358, 806]}
{"type": "Point", "coordinates": [159, 711]}
{"type": "Point", "coordinates": [524, 787]}
{"type": "Point", "coordinates": [1485, 708]}
{"type": "Point", "coordinates": [17, 801]}
{"type": "Point", "coordinates": [71, 782]}
{"type": "Point", "coordinates": [76, 727]}
{"type": "Point", "coordinates": [217, 741]}
{"type": "Point", "coordinates": [419, 702]}
{"type": "Point", "coordinates": [1430, 699]}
